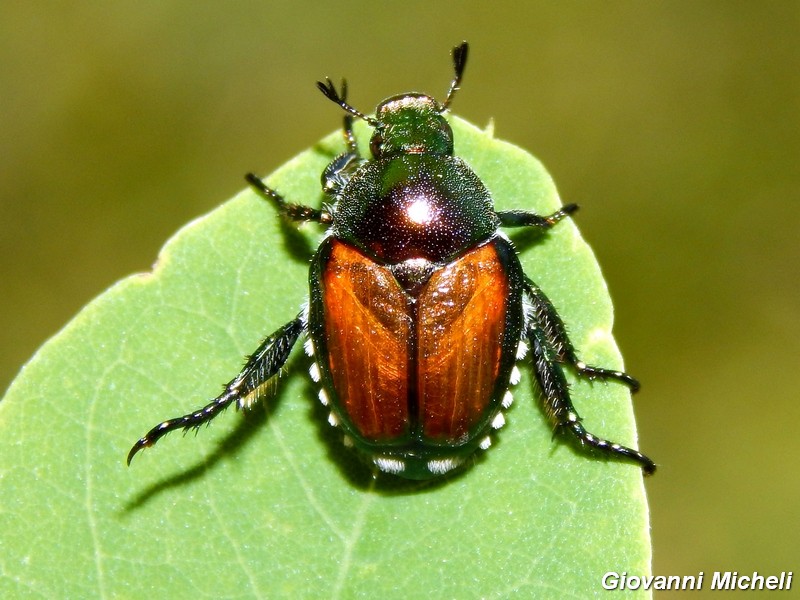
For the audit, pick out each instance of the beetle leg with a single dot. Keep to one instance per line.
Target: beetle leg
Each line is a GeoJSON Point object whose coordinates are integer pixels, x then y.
{"type": "Point", "coordinates": [295, 212]}
{"type": "Point", "coordinates": [341, 168]}
{"type": "Point", "coordinates": [558, 405]}
{"type": "Point", "coordinates": [349, 136]}
{"type": "Point", "coordinates": [524, 218]}
{"type": "Point", "coordinates": [546, 316]}
{"type": "Point", "coordinates": [339, 171]}
{"type": "Point", "coordinates": [247, 387]}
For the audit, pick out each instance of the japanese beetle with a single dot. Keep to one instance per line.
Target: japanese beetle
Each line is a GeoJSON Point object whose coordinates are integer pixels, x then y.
{"type": "Point", "coordinates": [418, 307]}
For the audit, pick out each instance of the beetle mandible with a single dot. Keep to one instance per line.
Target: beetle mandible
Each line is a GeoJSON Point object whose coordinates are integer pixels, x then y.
{"type": "Point", "coordinates": [418, 307]}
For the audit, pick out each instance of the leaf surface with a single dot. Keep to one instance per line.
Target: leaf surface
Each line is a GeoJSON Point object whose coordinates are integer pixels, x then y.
{"type": "Point", "coordinates": [267, 503]}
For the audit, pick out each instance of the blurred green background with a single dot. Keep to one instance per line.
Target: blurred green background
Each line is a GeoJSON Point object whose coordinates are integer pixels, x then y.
{"type": "Point", "coordinates": [676, 126]}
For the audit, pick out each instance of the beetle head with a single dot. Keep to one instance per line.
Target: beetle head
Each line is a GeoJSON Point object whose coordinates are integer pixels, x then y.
{"type": "Point", "coordinates": [409, 123]}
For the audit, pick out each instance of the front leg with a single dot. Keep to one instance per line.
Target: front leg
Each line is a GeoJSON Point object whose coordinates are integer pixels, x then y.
{"type": "Point", "coordinates": [247, 387]}
{"type": "Point", "coordinates": [294, 212]}
{"type": "Point", "coordinates": [524, 218]}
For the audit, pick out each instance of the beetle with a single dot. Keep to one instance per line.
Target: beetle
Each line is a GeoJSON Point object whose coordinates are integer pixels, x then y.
{"type": "Point", "coordinates": [418, 308]}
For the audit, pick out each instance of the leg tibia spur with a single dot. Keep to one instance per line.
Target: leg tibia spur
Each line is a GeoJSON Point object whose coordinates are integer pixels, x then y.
{"type": "Point", "coordinates": [246, 388]}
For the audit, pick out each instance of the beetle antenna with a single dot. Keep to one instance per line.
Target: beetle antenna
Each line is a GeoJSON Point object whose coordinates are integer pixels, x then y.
{"type": "Point", "coordinates": [329, 89]}
{"type": "Point", "coordinates": [459, 63]}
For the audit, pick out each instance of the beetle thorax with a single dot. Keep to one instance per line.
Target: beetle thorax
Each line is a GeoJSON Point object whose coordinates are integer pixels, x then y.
{"type": "Point", "coordinates": [415, 207]}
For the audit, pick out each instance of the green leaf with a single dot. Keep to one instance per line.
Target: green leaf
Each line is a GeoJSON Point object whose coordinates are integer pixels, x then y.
{"type": "Point", "coordinates": [267, 503]}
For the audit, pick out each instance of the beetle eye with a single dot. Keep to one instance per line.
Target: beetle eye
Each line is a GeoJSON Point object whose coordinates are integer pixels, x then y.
{"type": "Point", "coordinates": [376, 144]}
